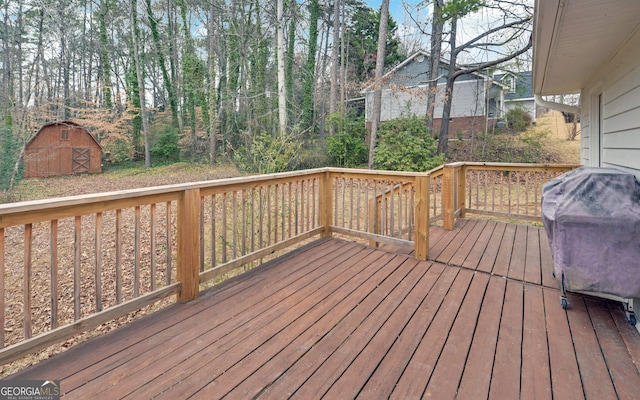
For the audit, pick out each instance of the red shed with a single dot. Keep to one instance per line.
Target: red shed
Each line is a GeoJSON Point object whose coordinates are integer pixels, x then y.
{"type": "Point", "coordinates": [62, 148]}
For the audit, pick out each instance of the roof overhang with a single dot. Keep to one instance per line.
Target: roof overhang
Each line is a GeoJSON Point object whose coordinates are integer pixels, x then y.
{"type": "Point", "coordinates": [573, 40]}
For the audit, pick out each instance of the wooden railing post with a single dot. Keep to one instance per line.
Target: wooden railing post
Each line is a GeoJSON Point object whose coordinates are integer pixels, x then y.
{"type": "Point", "coordinates": [326, 209]}
{"type": "Point", "coordinates": [462, 184]}
{"type": "Point", "coordinates": [448, 197]}
{"type": "Point", "coordinates": [421, 237]}
{"type": "Point", "coordinates": [374, 219]}
{"type": "Point", "coordinates": [188, 232]}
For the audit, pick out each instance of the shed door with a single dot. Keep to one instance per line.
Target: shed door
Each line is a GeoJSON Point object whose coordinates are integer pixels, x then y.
{"type": "Point", "coordinates": [80, 160]}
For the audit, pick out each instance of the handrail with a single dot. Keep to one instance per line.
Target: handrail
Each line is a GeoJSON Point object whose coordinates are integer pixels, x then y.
{"type": "Point", "coordinates": [92, 258]}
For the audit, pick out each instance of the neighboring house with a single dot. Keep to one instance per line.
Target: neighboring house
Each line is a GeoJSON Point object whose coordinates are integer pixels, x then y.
{"type": "Point", "coordinates": [476, 97]}
{"type": "Point", "coordinates": [518, 92]}
{"type": "Point", "coordinates": [593, 47]}
{"type": "Point", "coordinates": [62, 148]}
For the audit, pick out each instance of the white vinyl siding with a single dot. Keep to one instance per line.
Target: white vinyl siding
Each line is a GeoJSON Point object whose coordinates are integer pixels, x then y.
{"type": "Point", "coordinates": [619, 83]}
{"type": "Point", "coordinates": [468, 100]}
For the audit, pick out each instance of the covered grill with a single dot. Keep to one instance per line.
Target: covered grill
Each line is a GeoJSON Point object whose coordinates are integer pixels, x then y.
{"type": "Point", "coordinates": [592, 219]}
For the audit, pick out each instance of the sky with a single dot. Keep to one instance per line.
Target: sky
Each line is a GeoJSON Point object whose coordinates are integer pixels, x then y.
{"type": "Point", "coordinates": [400, 10]}
{"type": "Point", "coordinates": [471, 26]}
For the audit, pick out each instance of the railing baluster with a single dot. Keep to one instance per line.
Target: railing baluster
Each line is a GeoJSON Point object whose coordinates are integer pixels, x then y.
{"type": "Point", "coordinates": [261, 217]}
{"type": "Point", "coordinates": [309, 221]}
{"type": "Point", "coordinates": [98, 259]}
{"type": "Point", "coordinates": [485, 175]}
{"type": "Point", "coordinates": [213, 232]}
{"type": "Point", "coordinates": [53, 244]}
{"type": "Point", "coordinates": [351, 204]}
{"type": "Point", "coordinates": [343, 207]}
{"type": "Point", "coordinates": [77, 247]}
{"type": "Point", "coordinates": [526, 193]}
{"type": "Point", "coordinates": [493, 191]}
{"type": "Point", "coordinates": [234, 224]}
{"type": "Point", "coordinates": [304, 206]}
{"type": "Point", "coordinates": [223, 228]}
{"type": "Point", "coordinates": [518, 192]}
{"type": "Point", "coordinates": [391, 208]}
{"type": "Point", "coordinates": [202, 222]}
{"type": "Point", "coordinates": [385, 212]}
{"type": "Point", "coordinates": [367, 221]}
{"type": "Point", "coordinates": [501, 191]}
{"type": "Point", "coordinates": [316, 203]}
{"type": "Point", "coordinates": [152, 228]}
{"type": "Point", "coordinates": [28, 236]}
{"type": "Point", "coordinates": [276, 212]}
{"type": "Point", "coordinates": [269, 211]}
{"type": "Point", "coordinates": [400, 190]}
{"type": "Point", "coordinates": [358, 208]}
{"type": "Point", "coordinates": [253, 219]}
{"type": "Point", "coordinates": [284, 211]}
{"type": "Point", "coordinates": [137, 252]}
{"type": "Point", "coordinates": [290, 206]}
{"type": "Point", "coordinates": [169, 242]}
{"type": "Point", "coordinates": [118, 256]}
{"type": "Point", "coordinates": [243, 196]}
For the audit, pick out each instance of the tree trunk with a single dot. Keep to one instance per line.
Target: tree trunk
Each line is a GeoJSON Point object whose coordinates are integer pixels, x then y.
{"type": "Point", "coordinates": [136, 56]}
{"type": "Point", "coordinates": [213, 127]}
{"type": "Point", "coordinates": [173, 101]}
{"type": "Point", "coordinates": [333, 94]}
{"type": "Point", "coordinates": [377, 94]}
{"type": "Point", "coordinates": [291, 41]}
{"type": "Point", "coordinates": [310, 68]}
{"type": "Point", "coordinates": [443, 138]}
{"type": "Point", "coordinates": [434, 58]}
{"type": "Point", "coordinates": [104, 55]}
{"type": "Point", "coordinates": [282, 92]}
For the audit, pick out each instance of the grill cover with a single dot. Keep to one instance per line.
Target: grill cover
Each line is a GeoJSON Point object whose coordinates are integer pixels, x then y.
{"type": "Point", "coordinates": [592, 219]}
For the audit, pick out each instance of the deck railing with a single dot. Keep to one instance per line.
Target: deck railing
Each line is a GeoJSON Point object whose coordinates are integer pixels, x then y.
{"type": "Point", "coordinates": [68, 265]}
{"type": "Point", "coordinates": [496, 189]}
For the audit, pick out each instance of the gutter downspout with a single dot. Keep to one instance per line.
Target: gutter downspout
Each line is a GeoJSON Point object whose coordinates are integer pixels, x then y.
{"type": "Point", "coordinates": [556, 106]}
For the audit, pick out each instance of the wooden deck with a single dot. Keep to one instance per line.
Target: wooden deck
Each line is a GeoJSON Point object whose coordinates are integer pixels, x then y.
{"type": "Point", "coordinates": [338, 319]}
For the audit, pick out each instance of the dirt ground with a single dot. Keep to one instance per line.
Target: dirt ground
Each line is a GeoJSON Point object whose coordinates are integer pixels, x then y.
{"type": "Point", "coordinates": [556, 141]}
{"type": "Point", "coordinates": [119, 179]}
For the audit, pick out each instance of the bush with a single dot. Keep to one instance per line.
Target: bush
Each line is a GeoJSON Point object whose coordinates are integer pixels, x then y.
{"type": "Point", "coordinates": [518, 119]}
{"type": "Point", "coordinates": [313, 154]}
{"type": "Point", "coordinates": [347, 146]}
{"type": "Point", "coordinates": [405, 144]}
{"type": "Point", "coordinates": [265, 154]}
{"type": "Point", "coordinates": [166, 148]}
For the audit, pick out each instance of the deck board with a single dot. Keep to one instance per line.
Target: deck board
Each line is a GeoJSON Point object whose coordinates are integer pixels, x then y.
{"type": "Point", "coordinates": [590, 361]}
{"type": "Point", "coordinates": [339, 319]}
{"type": "Point", "coordinates": [505, 381]}
{"type": "Point", "coordinates": [619, 361]}
{"type": "Point", "coordinates": [477, 376]}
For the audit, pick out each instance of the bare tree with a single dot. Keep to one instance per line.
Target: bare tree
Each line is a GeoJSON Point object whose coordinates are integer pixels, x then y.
{"type": "Point", "coordinates": [437, 25]}
{"type": "Point", "coordinates": [136, 54]}
{"type": "Point", "coordinates": [377, 94]}
{"type": "Point", "coordinates": [282, 93]}
{"type": "Point", "coordinates": [514, 23]}
{"type": "Point", "coordinates": [333, 94]}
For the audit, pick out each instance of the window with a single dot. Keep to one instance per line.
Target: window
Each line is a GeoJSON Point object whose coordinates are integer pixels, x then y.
{"type": "Point", "coordinates": [510, 82]}
{"type": "Point", "coordinates": [65, 134]}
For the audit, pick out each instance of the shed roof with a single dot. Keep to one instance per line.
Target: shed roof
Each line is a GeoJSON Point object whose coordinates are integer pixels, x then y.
{"type": "Point", "coordinates": [70, 123]}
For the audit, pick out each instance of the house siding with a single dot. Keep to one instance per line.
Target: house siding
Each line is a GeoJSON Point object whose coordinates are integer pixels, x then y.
{"type": "Point", "coordinates": [619, 83]}
{"type": "Point", "coordinates": [413, 101]}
